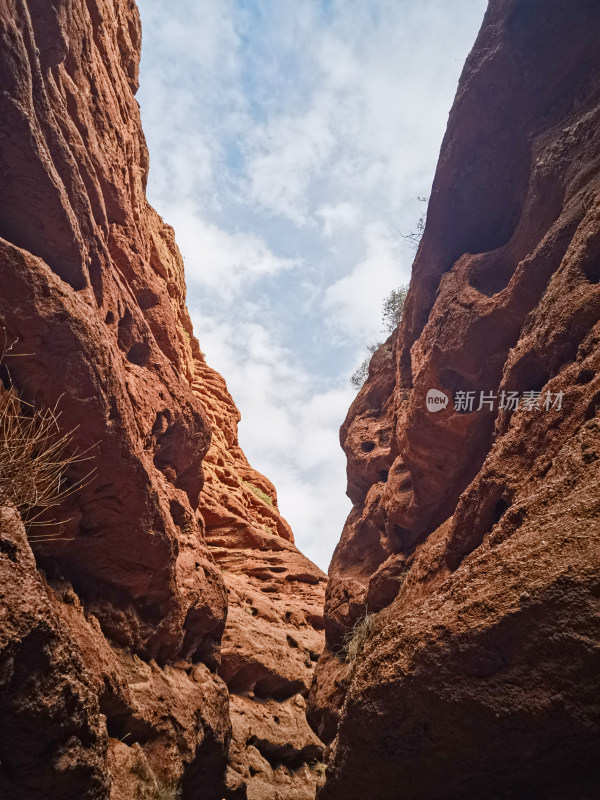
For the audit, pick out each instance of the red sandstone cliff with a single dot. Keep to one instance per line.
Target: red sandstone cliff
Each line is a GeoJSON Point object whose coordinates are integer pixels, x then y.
{"type": "Point", "coordinates": [274, 630]}
{"type": "Point", "coordinates": [476, 535]}
{"type": "Point", "coordinates": [116, 644]}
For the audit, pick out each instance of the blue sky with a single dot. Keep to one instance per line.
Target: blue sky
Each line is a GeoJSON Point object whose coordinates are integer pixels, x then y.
{"type": "Point", "coordinates": [289, 143]}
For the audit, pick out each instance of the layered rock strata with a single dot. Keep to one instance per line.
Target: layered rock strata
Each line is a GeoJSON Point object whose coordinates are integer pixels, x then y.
{"type": "Point", "coordinates": [113, 681]}
{"type": "Point", "coordinates": [274, 631]}
{"type": "Point", "coordinates": [474, 534]}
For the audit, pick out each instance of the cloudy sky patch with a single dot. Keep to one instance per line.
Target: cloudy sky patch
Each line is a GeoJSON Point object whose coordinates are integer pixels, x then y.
{"type": "Point", "coordinates": [289, 143]}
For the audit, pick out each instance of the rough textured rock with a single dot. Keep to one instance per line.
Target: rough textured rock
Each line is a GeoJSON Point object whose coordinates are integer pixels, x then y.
{"type": "Point", "coordinates": [131, 601]}
{"type": "Point", "coordinates": [274, 630]}
{"type": "Point", "coordinates": [477, 533]}
{"type": "Point", "coordinates": [52, 733]}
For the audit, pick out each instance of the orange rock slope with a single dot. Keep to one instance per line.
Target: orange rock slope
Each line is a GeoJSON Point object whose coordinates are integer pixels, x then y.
{"type": "Point", "coordinates": [474, 536]}
{"type": "Point", "coordinates": [116, 646]}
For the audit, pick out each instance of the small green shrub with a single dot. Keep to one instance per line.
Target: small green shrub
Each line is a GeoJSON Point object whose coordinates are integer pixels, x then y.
{"type": "Point", "coordinates": [258, 492]}
{"type": "Point", "coordinates": [393, 308]}
{"type": "Point", "coordinates": [391, 316]}
{"type": "Point", "coordinates": [360, 374]}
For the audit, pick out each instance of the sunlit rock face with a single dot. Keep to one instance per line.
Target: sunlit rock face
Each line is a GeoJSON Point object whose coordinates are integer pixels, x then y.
{"type": "Point", "coordinates": [474, 532]}
{"type": "Point", "coordinates": [115, 655]}
{"type": "Point", "coordinates": [274, 632]}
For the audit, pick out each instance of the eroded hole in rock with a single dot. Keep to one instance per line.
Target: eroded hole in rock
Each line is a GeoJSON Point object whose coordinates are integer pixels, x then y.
{"type": "Point", "coordinates": [405, 484]}
{"type": "Point", "coordinates": [367, 447]}
{"type": "Point", "coordinates": [121, 723]}
{"type": "Point", "coordinates": [203, 778]}
{"type": "Point", "coordinates": [126, 339]}
{"type": "Point", "coordinates": [302, 577]}
{"type": "Point", "coordinates": [113, 410]}
{"type": "Point", "coordinates": [8, 549]}
{"type": "Point", "coordinates": [593, 408]}
{"type": "Point", "coordinates": [278, 688]}
{"type": "Point", "coordinates": [109, 318]}
{"type": "Point", "coordinates": [177, 512]}
{"type": "Point", "coordinates": [291, 641]}
{"type": "Point", "coordinates": [383, 475]}
{"type": "Point", "coordinates": [530, 374]}
{"type": "Point", "coordinates": [454, 382]}
{"type": "Point", "coordinates": [147, 299]}
{"type": "Point", "coordinates": [498, 512]}
{"type": "Point", "coordinates": [317, 621]}
{"type": "Point", "coordinates": [591, 270]}
{"type": "Point", "coordinates": [585, 376]}
{"type": "Point", "coordinates": [254, 677]}
{"type": "Point", "coordinates": [285, 755]}
{"type": "Point", "coordinates": [138, 354]}
{"type": "Point", "coordinates": [202, 636]}
{"type": "Point", "coordinates": [489, 279]}
{"type": "Point", "coordinates": [162, 422]}
{"type": "Point", "coordinates": [400, 537]}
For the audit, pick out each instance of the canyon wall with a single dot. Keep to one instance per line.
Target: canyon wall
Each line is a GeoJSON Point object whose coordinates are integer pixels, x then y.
{"type": "Point", "coordinates": [463, 606]}
{"type": "Point", "coordinates": [159, 639]}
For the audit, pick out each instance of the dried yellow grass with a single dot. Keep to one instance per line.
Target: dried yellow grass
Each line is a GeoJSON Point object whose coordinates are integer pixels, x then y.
{"type": "Point", "coordinates": [34, 457]}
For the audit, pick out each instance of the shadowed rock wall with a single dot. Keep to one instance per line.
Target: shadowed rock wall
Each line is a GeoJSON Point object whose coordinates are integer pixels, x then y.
{"type": "Point", "coordinates": [475, 534]}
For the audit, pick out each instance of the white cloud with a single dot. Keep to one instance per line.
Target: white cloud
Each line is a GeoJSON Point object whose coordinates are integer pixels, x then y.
{"type": "Point", "coordinates": [284, 156]}
{"type": "Point", "coordinates": [288, 145]}
{"type": "Point", "coordinates": [354, 301]}
{"type": "Point", "coordinates": [288, 429]}
{"type": "Point", "coordinates": [337, 217]}
{"type": "Point", "coordinates": [226, 263]}
{"type": "Point", "coordinates": [203, 34]}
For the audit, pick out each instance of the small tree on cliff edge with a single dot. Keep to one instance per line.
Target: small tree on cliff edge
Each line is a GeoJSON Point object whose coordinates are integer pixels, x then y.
{"type": "Point", "coordinates": [392, 310]}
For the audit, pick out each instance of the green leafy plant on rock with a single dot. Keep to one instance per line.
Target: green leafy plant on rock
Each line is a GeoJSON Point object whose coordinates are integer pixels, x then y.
{"type": "Point", "coordinates": [258, 492]}
{"type": "Point", "coordinates": [392, 310]}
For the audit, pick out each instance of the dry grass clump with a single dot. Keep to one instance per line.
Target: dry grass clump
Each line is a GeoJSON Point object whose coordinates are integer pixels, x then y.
{"type": "Point", "coordinates": [357, 636]}
{"type": "Point", "coordinates": [34, 456]}
{"type": "Point", "coordinates": [169, 790]}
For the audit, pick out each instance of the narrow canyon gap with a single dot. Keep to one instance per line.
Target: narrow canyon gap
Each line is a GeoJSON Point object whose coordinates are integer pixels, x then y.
{"type": "Point", "coordinates": [162, 642]}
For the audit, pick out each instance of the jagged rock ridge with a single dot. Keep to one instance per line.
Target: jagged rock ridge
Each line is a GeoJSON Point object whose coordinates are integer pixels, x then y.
{"type": "Point", "coordinates": [113, 678]}
{"type": "Point", "coordinates": [474, 536]}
